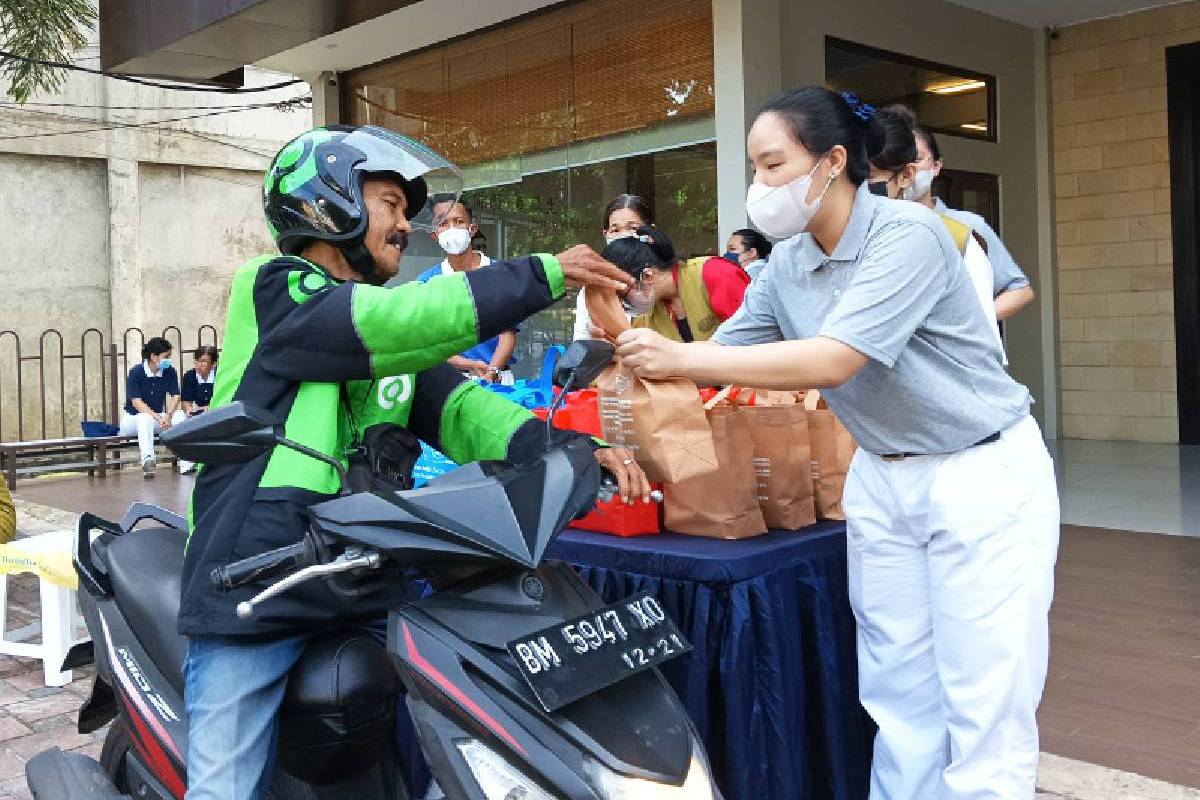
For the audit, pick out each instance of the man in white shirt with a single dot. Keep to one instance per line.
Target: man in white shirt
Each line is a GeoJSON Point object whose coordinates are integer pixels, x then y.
{"type": "Point", "coordinates": [488, 360]}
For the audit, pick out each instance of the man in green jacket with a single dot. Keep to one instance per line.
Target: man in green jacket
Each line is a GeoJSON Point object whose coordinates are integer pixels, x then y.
{"type": "Point", "coordinates": [341, 203]}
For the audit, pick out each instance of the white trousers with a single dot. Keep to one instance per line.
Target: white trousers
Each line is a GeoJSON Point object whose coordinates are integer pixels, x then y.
{"type": "Point", "coordinates": [145, 426]}
{"type": "Point", "coordinates": [951, 572]}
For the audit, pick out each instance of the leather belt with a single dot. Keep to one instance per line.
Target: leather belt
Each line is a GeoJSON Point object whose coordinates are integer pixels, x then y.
{"type": "Point", "coordinates": [995, 437]}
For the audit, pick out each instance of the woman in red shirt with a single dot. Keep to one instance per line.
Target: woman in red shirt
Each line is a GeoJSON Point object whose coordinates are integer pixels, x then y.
{"type": "Point", "coordinates": [684, 301]}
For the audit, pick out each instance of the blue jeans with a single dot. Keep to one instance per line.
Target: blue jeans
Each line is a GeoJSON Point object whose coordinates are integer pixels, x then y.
{"type": "Point", "coordinates": [232, 692]}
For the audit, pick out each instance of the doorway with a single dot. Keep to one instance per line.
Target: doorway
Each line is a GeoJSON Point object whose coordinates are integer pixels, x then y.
{"type": "Point", "coordinates": [1183, 131]}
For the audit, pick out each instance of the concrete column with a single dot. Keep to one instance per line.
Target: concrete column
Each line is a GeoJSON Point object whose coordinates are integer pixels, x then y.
{"type": "Point", "coordinates": [124, 214]}
{"type": "Point", "coordinates": [326, 108]}
{"type": "Point", "coordinates": [1047, 306]}
{"type": "Point", "coordinates": [747, 67]}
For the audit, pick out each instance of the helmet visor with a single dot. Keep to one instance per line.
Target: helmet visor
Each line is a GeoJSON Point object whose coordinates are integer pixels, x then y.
{"type": "Point", "coordinates": [388, 151]}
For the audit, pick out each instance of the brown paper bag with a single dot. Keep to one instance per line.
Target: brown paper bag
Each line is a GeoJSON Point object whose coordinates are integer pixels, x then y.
{"type": "Point", "coordinates": [782, 463]}
{"type": "Point", "coordinates": [832, 448]}
{"type": "Point", "coordinates": [606, 311]}
{"type": "Point", "coordinates": [661, 421]}
{"type": "Point", "coordinates": [723, 504]}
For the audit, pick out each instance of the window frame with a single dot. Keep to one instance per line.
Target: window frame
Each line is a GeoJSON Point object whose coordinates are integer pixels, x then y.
{"type": "Point", "coordinates": [912, 61]}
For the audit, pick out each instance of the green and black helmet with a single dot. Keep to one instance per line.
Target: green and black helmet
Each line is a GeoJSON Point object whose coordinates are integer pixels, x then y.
{"type": "Point", "coordinates": [314, 186]}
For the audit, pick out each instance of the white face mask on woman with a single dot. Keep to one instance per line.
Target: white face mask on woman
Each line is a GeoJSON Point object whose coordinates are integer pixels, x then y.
{"type": "Point", "coordinates": [455, 241]}
{"type": "Point", "coordinates": [922, 183]}
{"type": "Point", "coordinates": [782, 211]}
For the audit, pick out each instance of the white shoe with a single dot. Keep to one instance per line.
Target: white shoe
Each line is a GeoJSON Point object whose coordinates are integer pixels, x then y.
{"type": "Point", "coordinates": [187, 467]}
{"type": "Point", "coordinates": [148, 466]}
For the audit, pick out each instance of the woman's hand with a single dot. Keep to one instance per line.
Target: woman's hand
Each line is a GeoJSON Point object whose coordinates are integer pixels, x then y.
{"type": "Point", "coordinates": [631, 481]}
{"type": "Point", "coordinates": [650, 354]}
{"type": "Point", "coordinates": [596, 332]}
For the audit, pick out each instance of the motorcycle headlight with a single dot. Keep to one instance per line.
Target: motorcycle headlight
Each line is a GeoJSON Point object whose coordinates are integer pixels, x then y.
{"type": "Point", "coordinates": [498, 779]}
{"type": "Point", "coordinates": [697, 786]}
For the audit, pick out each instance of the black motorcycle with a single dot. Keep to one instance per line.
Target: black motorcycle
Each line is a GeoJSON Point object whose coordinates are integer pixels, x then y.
{"type": "Point", "coordinates": [521, 684]}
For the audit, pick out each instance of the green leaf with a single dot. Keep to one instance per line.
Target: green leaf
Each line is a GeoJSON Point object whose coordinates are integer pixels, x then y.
{"type": "Point", "coordinates": [46, 30]}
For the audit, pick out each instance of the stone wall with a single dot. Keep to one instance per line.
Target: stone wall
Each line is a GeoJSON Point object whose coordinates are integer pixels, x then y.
{"type": "Point", "coordinates": [1112, 183]}
{"type": "Point", "coordinates": [113, 224]}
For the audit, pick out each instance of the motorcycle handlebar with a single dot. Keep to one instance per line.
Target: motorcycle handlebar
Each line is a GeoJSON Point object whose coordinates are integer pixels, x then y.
{"type": "Point", "coordinates": [263, 566]}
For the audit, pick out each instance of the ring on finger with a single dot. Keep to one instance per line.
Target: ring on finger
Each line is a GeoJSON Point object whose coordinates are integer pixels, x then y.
{"type": "Point", "coordinates": [627, 462]}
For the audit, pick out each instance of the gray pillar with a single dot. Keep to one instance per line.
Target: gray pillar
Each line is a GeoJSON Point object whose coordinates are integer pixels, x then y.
{"type": "Point", "coordinates": [747, 66]}
{"type": "Point", "coordinates": [326, 108]}
{"type": "Point", "coordinates": [1047, 306]}
{"type": "Point", "coordinates": [124, 213]}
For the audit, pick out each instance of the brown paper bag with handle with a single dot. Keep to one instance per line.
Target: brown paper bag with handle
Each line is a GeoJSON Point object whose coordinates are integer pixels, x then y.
{"type": "Point", "coordinates": [661, 421]}
{"type": "Point", "coordinates": [782, 463]}
{"type": "Point", "coordinates": [832, 448]}
{"type": "Point", "coordinates": [722, 504]}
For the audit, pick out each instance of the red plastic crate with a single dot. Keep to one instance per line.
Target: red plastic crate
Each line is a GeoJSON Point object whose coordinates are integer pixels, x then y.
{"type": "Point", "coordinates": [581, 412]}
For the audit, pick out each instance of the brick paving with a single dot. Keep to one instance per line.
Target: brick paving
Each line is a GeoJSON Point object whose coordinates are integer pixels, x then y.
{"type": "Point", "coordinates": [34, 717]}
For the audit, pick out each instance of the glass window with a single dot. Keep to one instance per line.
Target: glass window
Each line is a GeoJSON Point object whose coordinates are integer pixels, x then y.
{"type": "Point", "coordinates": [550, 117]}
{"type": "Point", "coordinates": [946, 99]}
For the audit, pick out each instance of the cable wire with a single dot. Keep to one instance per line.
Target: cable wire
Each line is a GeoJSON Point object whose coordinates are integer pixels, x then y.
{"type": "Point", "coordinates": [284, 105]}
{"type": "Point", "coordinates": [176, 86]}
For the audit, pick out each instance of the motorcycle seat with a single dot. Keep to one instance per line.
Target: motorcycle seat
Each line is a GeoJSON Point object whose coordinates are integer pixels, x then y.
{"type": "Point", "coordinates": [144, 566]}
{"type": "Point", "coordinates": [338, 713]}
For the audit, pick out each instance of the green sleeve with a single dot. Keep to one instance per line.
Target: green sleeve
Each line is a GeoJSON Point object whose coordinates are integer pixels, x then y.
{"type": "Point", "coordinates": [478, 425]}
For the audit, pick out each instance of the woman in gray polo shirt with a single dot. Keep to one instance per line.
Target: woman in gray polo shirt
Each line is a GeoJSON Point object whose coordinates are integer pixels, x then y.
{"type": "Point", "coordinates": [951, 505]}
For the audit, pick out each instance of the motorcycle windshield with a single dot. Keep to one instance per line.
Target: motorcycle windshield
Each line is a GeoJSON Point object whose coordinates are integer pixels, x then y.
{"type": "Point", "coordinates": [486, 511]}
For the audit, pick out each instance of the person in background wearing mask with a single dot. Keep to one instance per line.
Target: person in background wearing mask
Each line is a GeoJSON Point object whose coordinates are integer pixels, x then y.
{"type": "Point", "coordinates": [684, 301]}
{"type": "Point", "coordinates": [750, 249]}
{"type": "Point", "coordinates": [151, 400]}
{"type": "Point", "coordinates": [894, 171]}
{"type": "Point", "coordinates": [487, 360]}
{"type": "Point", "coordinates": [622, 218]}
{"type": "Point", "coordinates": [197, 390]}
{"type": "Point", "coordinates": [1010, 285]}
{"type": "Point", "coordinates": [952, 518]}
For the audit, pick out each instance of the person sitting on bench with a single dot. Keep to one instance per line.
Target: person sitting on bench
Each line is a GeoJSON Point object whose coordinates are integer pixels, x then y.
{"type": "Point", "coordinates": [151, 399]}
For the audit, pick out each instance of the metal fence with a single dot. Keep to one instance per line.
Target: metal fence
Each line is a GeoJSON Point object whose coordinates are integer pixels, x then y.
{"type": "Point", "coordinates": [47, 391]}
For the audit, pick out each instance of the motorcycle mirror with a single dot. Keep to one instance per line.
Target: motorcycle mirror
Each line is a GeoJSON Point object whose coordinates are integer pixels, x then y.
{"type": "Point", "coordinates": [583, 362]}
{"type": "Point", "coordinates": [226, 435]}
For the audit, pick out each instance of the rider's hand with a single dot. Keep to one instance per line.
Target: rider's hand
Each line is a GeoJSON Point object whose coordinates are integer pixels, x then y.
{"type": "Point", "coordinates": [631, 481]}
{"type": "Point", "coordinates": [583, 266]}
{"type": "Point", "coordinates": [649, 354]}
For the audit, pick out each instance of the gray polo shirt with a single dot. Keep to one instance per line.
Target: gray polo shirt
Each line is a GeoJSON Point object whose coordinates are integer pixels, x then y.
{"type": "Point", "coordinates": [895, 290]}
{"type": "Point", "coordinates": [1006, 274]}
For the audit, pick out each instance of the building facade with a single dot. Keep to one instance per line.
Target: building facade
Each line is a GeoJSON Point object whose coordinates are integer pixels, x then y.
{"type": "Point", "coordinates": [1053, 124]}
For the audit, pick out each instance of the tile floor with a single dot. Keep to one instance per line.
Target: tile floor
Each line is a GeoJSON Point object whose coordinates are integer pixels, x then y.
{"type": "Point", "coordinates": [1129, 486]}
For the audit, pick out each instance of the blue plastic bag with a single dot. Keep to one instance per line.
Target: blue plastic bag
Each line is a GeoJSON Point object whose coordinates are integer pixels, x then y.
{"type": "Point", "coordinates": [535, 393]}
{"type": "Point", "coordinates": [431, 464]}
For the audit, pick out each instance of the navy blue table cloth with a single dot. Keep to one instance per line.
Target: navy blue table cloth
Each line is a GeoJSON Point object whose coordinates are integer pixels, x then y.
{"type": "Point", "coordinates": [772, 683]}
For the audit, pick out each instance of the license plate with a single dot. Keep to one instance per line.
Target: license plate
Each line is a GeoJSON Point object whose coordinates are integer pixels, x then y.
{"type": "Point", "coordinates": [581, 656]}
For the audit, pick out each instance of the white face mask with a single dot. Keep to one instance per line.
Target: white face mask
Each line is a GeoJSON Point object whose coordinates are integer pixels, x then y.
{"type": "Point", "coordinates": [455, 241]}
{"type": "Point", "coordinates": [782, 211]}
{"type": "Point", "coordinates": [640, 299]}
{"type": "Point", "coordinates": [609, 238]}
{"type": "Point", "coordinates": [922, 183]}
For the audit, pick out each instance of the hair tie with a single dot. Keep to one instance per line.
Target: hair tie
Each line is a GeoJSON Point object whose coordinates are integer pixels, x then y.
{"type": "Point", "coordinates": [863, 111]}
